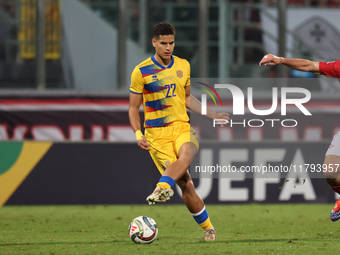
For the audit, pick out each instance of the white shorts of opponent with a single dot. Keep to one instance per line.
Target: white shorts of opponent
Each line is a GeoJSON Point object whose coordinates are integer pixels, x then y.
{"type": "Point", "coordinates": [334, 148]}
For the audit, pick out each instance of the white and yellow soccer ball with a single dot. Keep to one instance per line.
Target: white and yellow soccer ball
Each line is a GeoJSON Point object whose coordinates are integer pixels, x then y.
{"type": "Point", "coordinates": [143, 230]}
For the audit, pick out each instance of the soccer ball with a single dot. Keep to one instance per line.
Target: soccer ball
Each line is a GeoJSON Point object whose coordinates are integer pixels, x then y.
{"type": "Point", "coordinates": [143, 230]}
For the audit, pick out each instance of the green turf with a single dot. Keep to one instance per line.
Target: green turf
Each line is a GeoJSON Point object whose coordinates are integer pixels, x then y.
{"type": "Point", "coordinates": [241, 229]}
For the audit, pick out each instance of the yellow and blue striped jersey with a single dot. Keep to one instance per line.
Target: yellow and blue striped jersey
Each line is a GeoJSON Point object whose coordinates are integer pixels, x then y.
{"type": "Point", "coordinates": [163, 90]}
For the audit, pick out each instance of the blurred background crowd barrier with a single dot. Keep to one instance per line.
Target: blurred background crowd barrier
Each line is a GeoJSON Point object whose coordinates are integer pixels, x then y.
{"type": "Point", "coordinates": [88, 44]}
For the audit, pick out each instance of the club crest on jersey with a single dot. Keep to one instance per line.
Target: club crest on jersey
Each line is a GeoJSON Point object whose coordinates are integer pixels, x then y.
{"type": "Point", "coordinates": [179, 74]}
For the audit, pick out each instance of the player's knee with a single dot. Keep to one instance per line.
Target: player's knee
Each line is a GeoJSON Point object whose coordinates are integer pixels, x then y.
{"type": "Point", "coordinates": [328, 174]}
{"type": "Point", "coordinates": [330, 167]}
{"type": "Point", "coordinates": [193, 150]}
{"type": "Point", "coordinates": [185, 158]}
{"type": "Point", "coordinates": [332, 182]}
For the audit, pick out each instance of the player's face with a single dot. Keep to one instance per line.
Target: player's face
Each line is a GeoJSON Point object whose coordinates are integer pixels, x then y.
{"type": "Point", "coordinates": [164, 46]}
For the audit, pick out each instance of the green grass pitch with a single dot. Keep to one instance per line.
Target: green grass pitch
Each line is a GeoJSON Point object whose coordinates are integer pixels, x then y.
{"type": "Point", "coordinates": [241, 229]}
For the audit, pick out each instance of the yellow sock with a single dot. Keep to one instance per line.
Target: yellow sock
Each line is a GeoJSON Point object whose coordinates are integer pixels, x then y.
{"type": "Point", "coordinates": [165, 182]}
{"type": "Point", "coordinates": [163, 185]}
{"type": "Point", "coordinates": [206, 225]}
{"type": "Point", "coordinates": [202, 219]}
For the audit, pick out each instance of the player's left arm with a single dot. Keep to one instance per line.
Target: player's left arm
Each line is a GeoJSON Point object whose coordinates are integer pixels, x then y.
{"type": "Point", "coordinates": [193, 104]}
{"type": "Point", "coordinates": [295, 63]}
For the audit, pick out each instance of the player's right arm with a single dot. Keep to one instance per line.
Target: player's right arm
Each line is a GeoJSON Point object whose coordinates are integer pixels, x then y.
{"type": "Point", "coordinates": [298, 64]}
{"type": "Point", "coordinates": [134, 104]}
{"type": "Point", "coordinates": [135, 100]}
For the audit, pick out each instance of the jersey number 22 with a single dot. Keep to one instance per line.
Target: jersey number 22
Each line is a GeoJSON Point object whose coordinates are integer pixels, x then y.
{"type": "Point", "coordinates": [171, 88]}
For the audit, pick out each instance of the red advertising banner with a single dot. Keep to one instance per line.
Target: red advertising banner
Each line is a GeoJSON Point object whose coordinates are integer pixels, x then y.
{"type": "Point", "coordinates": [105, 118]}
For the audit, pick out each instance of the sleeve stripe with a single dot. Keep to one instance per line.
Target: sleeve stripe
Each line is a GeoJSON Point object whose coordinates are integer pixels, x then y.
{"type": "Point", "coordinates": [135, 92]}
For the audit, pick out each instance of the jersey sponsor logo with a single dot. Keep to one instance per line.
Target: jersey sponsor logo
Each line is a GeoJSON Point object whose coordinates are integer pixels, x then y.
{"type": "Point", "coordinates": [179, 73]}
{"type": "Point", "coordinates": [168, 78]}
{"type": "Point", "coordinates": [154, 78]}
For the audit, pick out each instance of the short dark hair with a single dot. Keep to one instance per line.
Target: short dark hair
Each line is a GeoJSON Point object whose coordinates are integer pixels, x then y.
{"type": "Point", "coordinates": [163, 28]}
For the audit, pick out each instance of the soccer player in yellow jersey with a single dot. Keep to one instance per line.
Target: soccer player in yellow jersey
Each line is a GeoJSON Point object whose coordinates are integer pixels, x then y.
{"type": "Point", "coordinates": [162, 82]}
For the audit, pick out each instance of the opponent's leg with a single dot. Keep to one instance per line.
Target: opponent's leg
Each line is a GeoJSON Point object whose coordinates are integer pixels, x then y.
{"type": "Point", "coordinates": [332, 161]}
{"type": "Point", "coordinates": [332, 177]}
{"type": "Point", "coordinates": [196, 206]}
